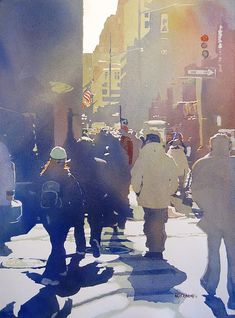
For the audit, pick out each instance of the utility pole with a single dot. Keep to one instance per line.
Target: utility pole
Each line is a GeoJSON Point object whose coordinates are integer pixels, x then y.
{"type": "Point", "coordinates": [110, 67]}
{"type": "Point", "coordinates": [120, 115]}
{"type": "Point", "coordinates": [139, 52]}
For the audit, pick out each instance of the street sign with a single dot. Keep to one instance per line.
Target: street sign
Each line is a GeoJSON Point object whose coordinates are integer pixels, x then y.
{"type": "Point", "coordinates": [207, 73]}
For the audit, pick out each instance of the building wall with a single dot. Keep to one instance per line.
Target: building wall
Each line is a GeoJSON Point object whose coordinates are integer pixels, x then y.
{"type": "Point", "coordinates": [123, 28]}
{"type": "Point", "coordinates": [42, 41]}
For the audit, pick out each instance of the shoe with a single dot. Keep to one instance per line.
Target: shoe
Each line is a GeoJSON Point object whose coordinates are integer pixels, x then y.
{"type": "Point", "coordinates": [231, 303]}
{"type": "Point", "coordinates": [154, 255]}
{"type": "Point", "coordinates": [96, 248]}
{"type": "Point", "coordinates": [115, 229]}
{"type": "Point", "coordinates": [47, 281]}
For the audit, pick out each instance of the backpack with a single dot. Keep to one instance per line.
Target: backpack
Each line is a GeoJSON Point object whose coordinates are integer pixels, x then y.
{"type": "Point", "coordinates": [50, 195]}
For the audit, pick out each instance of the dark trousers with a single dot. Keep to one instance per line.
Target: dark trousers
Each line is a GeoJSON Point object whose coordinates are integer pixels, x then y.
{"type": "Point", "coordinates": [154, 228]}
{"type": "Point", "coordinates": [58, 227]}
{"type": "Point", "coordinates": [4, 210]}
{"type": "Point", "coordinates": [96, 221]}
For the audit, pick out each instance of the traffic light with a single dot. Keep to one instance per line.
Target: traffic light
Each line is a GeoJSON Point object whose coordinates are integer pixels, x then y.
{"type": "Point", "coordinates": [204, 45]}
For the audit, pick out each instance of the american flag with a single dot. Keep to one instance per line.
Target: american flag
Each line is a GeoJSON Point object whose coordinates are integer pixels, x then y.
{"type": "Point", "coordinates": [87, 98]}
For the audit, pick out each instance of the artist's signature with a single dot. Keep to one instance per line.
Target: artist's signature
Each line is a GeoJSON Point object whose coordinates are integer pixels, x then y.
{"type": "Point", "coordinates": [179, 295]}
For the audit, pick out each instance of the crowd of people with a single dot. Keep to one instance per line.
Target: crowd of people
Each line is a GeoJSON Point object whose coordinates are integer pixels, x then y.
{"type": "Point", "coordinates": [91, 178]}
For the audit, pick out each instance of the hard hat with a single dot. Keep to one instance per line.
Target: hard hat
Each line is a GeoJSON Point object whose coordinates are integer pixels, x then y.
{"type": "Point", "coordinates": [58, 153]}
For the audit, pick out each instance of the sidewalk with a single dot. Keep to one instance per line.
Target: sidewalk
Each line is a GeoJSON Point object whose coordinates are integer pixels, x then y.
{"type": "Point", "coordinates": [121, 284]}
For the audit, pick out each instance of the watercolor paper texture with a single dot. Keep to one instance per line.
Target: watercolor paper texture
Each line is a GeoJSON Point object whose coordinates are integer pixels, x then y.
{"type": "Point", "coordinates": [102, 78]}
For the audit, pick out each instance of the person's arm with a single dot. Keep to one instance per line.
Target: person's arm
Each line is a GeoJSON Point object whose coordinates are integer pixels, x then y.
{"type": "Point", "coordinates": [130, 151]}
{"type": "Point", "coordinates": [173, 177]}
{"type": "Point", "coordinates": [137, 176]}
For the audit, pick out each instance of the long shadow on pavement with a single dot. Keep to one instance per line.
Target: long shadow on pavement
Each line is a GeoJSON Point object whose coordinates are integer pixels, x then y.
{"type": "Point", "coordinates": [217, 306]}
{"type": "Point", "coordinates": [151, 280]}
{"type": "Point", "coordinates": [45, 303]}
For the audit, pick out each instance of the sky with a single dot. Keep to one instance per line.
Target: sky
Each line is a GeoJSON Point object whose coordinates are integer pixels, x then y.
{"type": "Point", "coordinates": [95, 15]}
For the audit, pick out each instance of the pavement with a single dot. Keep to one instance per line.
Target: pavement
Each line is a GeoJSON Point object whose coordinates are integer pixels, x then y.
{"type": "Point", "coordinates": [121, 283]}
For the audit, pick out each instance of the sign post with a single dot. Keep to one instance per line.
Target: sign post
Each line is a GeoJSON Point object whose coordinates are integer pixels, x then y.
{"type": "Point", "coordinates": [209, 72]}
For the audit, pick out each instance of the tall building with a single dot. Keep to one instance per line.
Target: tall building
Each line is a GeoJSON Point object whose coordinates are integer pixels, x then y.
{"type": "Point", "coordinates": [120, 32]}
{"type": "Point", "coordinates": [174, 42]}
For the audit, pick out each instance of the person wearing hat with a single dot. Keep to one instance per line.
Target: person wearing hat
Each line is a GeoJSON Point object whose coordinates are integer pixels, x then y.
{"type": "Point", "coordinates": [213, 189]}
{"type": "Point", "coordinates": [154, 180]}
{"type": "Point", "coordinates": [61, 202]}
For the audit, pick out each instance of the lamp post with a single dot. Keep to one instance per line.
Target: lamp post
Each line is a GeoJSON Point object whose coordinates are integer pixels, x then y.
{"type": "Point", "coordinates": [110, 67]}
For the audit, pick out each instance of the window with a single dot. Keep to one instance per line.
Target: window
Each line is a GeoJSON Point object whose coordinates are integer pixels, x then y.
{"type": "Point", "coordinates": [104, 91]}
{"type": "Point", "coordinates": [106, 75]}
{"type": "Point", "coordinates": [146, 24]}
{"type": "Point", "coordinates": [117, 75]}
{"type": "Point", "coordinates": [146, 15]}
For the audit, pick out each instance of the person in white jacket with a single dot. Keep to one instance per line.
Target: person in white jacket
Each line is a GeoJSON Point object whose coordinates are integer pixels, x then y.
{"type": "Point", "coordinates": [154, 180]}
{"type": "Point", "coordinates": [7, 189]}
{"type": "Point", "coordinates": [176, 151]}
{"type": "Point", "coordinates": [213, 189]}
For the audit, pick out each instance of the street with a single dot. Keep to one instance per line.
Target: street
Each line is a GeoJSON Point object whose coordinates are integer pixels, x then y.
{"type": "Point", "coordinates": [121, 283]}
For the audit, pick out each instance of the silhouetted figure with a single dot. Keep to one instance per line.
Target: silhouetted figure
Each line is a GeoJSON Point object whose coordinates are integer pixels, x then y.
{"type": "Point", "coordinates": [61, 202]}
{"type": "Point", "coordinates": [90, 170]}
{"type": "Point", "coordinates": [117, 180]}
{"type": "Point", "coordinates": [213, 189]}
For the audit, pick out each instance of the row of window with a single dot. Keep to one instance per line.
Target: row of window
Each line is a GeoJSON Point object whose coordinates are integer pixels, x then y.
{"type": "Point", "coordinates": [105, 91]}
{"type": "Point", "coordinates": [116, 75]}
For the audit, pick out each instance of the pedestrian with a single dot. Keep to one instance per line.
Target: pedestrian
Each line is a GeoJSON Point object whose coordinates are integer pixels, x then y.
{"type": "Point", "coordinates": [126, 143]}
{"type": "Point", "coordinates": [7, 190]}
{"type": "Point", "coordinates": [89, 168]}
{"type": "Point", "coordinates": [180, 200]}
{"type": "Point", "coordinates": [61, 202]}
{"type": "Point", "coordinates": [213, 189]}
{"type": "Point", "coordinates": [176, 151]}
{"type": "Point", "coordinates": [154, 180]}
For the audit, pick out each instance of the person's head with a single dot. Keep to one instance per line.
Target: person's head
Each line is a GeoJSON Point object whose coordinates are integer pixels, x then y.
{"type": "Point", "coordinates": [58, 158]}
{"type": "Point", "coordinates": [175, 143]}
{"type": "Point", "coordinates": [59, 155]}
{"type": "Point", "coordinates": [180, 136]}
{"type": "Point", "coordinates": [220, 145]}
{"type": "Point", "coordinates": [152, 138]}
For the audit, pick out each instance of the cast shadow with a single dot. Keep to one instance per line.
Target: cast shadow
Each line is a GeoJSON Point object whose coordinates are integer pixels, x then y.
{"type": "Point", "coordinates": [151, 280]}
{"type": "Point", "coordinates": [217, 306]}
{"type": "Point", "coordinates": [45, 303]}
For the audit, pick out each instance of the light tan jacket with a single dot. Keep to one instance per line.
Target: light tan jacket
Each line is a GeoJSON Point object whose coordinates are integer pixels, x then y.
{"type": "Point", "coordinates": [213, 187]}
{"type": "Point", "coordinates": [154, 177]}
{"type": "Point", "coordinates": [181, 161]}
